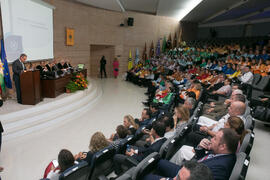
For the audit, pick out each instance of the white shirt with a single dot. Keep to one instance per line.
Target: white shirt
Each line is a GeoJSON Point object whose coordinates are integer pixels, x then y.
{"type": "Point", "coordinates": [22, 64]}
{"type": "Point", "coordinates": [247, 78]}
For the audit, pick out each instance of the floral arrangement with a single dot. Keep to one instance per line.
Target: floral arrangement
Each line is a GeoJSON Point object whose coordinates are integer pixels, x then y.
{"type": "Point", "coordinates": [78, 82]}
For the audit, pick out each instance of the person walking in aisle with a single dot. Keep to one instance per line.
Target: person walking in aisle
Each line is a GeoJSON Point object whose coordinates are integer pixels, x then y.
{"type": "Point", "coordinates": [103, 67]}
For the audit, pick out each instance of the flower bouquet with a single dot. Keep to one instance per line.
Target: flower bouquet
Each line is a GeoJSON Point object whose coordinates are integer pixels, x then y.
{"type": "Point", "coordinates": [78, 82]}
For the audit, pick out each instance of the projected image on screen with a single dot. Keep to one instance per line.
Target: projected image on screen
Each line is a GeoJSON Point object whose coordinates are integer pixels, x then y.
{"type": "Point", "coordinates": [27, 28]}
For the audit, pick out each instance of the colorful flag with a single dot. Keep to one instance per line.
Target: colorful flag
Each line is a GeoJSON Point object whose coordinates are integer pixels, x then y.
{"type": "Point", "coordinates": [164, 45]}
{"type": "Point", "coordinates": [6, 73]}
{"type": "Point", "coordinates": [169, 42]}
{"type": "Point", "coordinates": [151, 51]}
{"type": "Point", "coordinates": [158, 48]}
{"type": "Point", "coordinates": [144, 55]}
{"type": "Point", "coordinates": [130, 64]}
{"type": "Point", "coordinates": [137, 56]}
{"type": "Point", "coordinates": [175, 41]}
{"type": "Point", "coordinates": [2, 81]}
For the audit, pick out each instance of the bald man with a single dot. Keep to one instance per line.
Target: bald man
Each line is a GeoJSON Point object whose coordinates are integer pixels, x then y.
{"type": "Point", "coordinates": [209, 126]}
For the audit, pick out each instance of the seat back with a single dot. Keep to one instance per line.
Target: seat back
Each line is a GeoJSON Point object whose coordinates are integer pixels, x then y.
{"type": "Point", "coordinates": [247, 143]}
{"type": "Point", "coordinates": [250, 123]}
{"type": "Point", "coordinates": [263, 84]}
{"type": "Point", "coordinates": [145, 166]}
{"type": "Point", "coordinates": [176, 143]}
{"type": "Point", "coordinates": [164, 148]}
{"type": "Point", "coordinates": [102, 162]}
{"type": "Point", "coordinates": [123, 144]}
{"type": "Point", "coordinates": [79, 171]}
{"type": "Point", "coordinates": [240, 168]}
{"type": "Point", "coordinates": [256, 79]}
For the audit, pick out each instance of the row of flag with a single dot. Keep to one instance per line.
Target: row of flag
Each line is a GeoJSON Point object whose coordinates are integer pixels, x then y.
{"type": "Point", "coordinates": [5, 80]}
{"type": "Point", "coordinates": [166, 44]}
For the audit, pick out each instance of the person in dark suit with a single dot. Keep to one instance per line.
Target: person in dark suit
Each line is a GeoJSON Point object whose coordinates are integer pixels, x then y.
{"type": "Point", "coordinates": [137, 154]}
{"type": "Point", "coordinates": [220, 159]}
{"type": "Point", "coordinates": [103, 67]}
{"type": "Point", "coordinates": [1, 131]}
{"type": "Point", "coordinates": [18, 68]}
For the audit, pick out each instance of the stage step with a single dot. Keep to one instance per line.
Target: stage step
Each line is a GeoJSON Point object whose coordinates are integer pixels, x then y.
{"type": "Point", "coordinates": [41, 116]}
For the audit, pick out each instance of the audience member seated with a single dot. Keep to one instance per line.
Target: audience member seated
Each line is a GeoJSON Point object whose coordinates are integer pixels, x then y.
{"type": "Point", "coordinates": [247, 76]}
{"type": "Point", "coordinates": [121, 133]}
{"type": "Point", "coordinates": [215, 110]}
{"type": "Point", "coordinates": [208, 127]}
{"type": "Point", "coordinates": [181, 117]}
{"type": "Point", "coordinates": [186, 153]}
{"type": "Point", "coordinates": [129, 123]}
{"type": "Point", "coordinates": [65, 161]}
{"type": "Point", "coordinates": [145, 118]}
{"type": "Point", "coordinates": [98, 141]}
{"type": "Point", "coordinates": [218, 154]}
{"type": "Point", "coordinates": [225, 90]}
{"type": "Point", "coordinates": [137, 154]}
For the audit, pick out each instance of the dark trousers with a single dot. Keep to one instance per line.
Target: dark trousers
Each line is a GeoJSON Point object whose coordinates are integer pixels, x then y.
{"type": "Point", "coordinates": [103, 70]}
{"type": "Point", "coordinates": [165, 169]}
{"type": "Point", "coordinates": [0, 141]}
{"type": "Point", "coordinates": [18, 88]}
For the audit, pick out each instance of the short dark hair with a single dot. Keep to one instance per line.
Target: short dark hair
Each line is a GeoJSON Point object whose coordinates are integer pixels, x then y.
{"type": "Point", "coordinates": [65, 159]}
{"type": "Point", "coordinates": [148, 112]}
{"type": "Point", "coordinates": [167, 119]}
{"type": "Point", "coordinates": [122, 131]}
{"type": "Point", "coordinates": [198, 171]}
{"type": "Point", "coordinates": [230, 138]}
{"type": "Point", "coordinates": [159, 127]}
{"type": "Point", "coordinates": [23, 55]}
{"type": "Point", "coordinates": [154, 105]}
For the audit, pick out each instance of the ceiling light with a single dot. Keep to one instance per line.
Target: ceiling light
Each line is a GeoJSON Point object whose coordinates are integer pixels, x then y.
{"type": "Point", "coordinates": [186, 8]}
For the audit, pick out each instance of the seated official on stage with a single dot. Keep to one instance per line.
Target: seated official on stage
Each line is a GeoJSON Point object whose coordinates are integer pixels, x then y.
{"type": "Point", "coordinates": [18, 68]}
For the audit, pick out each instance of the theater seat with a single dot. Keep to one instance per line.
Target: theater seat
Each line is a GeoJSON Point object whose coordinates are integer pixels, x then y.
{"type": "Point", "coordinates": [250, 123]}
{"type": "Point", "coordinates": [175, 144]}
{"type": "Point", "coordinates": [256, 79]}
{"type": "Point", "coordinates": [240, 168]}
{"type": "Point", "coordinates": [79, 171]}
{"type": "Point", "coordinates": [247, 143]}
{"type": "Point", "coordinates": [123, 144]}
{"type": "Point", "coordinates": [144, 167]}
{"type": "Point", "coordinates": [102, 163]}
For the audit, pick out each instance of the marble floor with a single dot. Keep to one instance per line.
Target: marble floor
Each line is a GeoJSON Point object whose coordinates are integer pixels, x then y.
{"type": "Point", "coordinates": [25, 158]}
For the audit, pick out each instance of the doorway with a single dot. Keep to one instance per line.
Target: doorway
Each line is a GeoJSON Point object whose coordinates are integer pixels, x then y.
{"type": "Point", "coordinates": [96, 52]}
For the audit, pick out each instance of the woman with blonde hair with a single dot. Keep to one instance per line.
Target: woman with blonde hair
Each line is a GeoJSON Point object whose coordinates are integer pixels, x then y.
{"type": "Point", "coordinates": [97, 142]}
{"type": "Point", "coordinates": [237, 124]}
{"type": "Point", "coordinates": [129, 123]}
{"type": "Point", "coordinates": [181, 116]}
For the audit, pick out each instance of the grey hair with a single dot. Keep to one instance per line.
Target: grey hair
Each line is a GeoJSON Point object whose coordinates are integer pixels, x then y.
{"type": "Point", "coordinates": [237, 91]}
{"type": "Point", "coordinates": [191, 101]}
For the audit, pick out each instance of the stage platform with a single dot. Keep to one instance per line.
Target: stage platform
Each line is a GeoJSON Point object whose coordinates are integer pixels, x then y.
{"type": "Point", "coordinates": [19, 120]}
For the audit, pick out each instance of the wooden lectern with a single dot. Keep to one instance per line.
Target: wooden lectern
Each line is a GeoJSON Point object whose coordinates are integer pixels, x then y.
{"type": "Point", "coordinates": [30, 87]}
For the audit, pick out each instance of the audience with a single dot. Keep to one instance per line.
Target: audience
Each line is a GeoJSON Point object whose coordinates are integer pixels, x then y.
{"type": "Point", "coordinates": [137, 154]}
{"type": "Point", "coordinates": [220, 158]}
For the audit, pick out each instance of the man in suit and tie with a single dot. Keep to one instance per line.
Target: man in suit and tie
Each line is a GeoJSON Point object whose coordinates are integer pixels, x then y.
{"type": "Point", "coordinates": [220, 158]}
{"type": "Point", "coordinates": [18, 68]}
{"type": "Point", "coordinates": [137, 154]}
